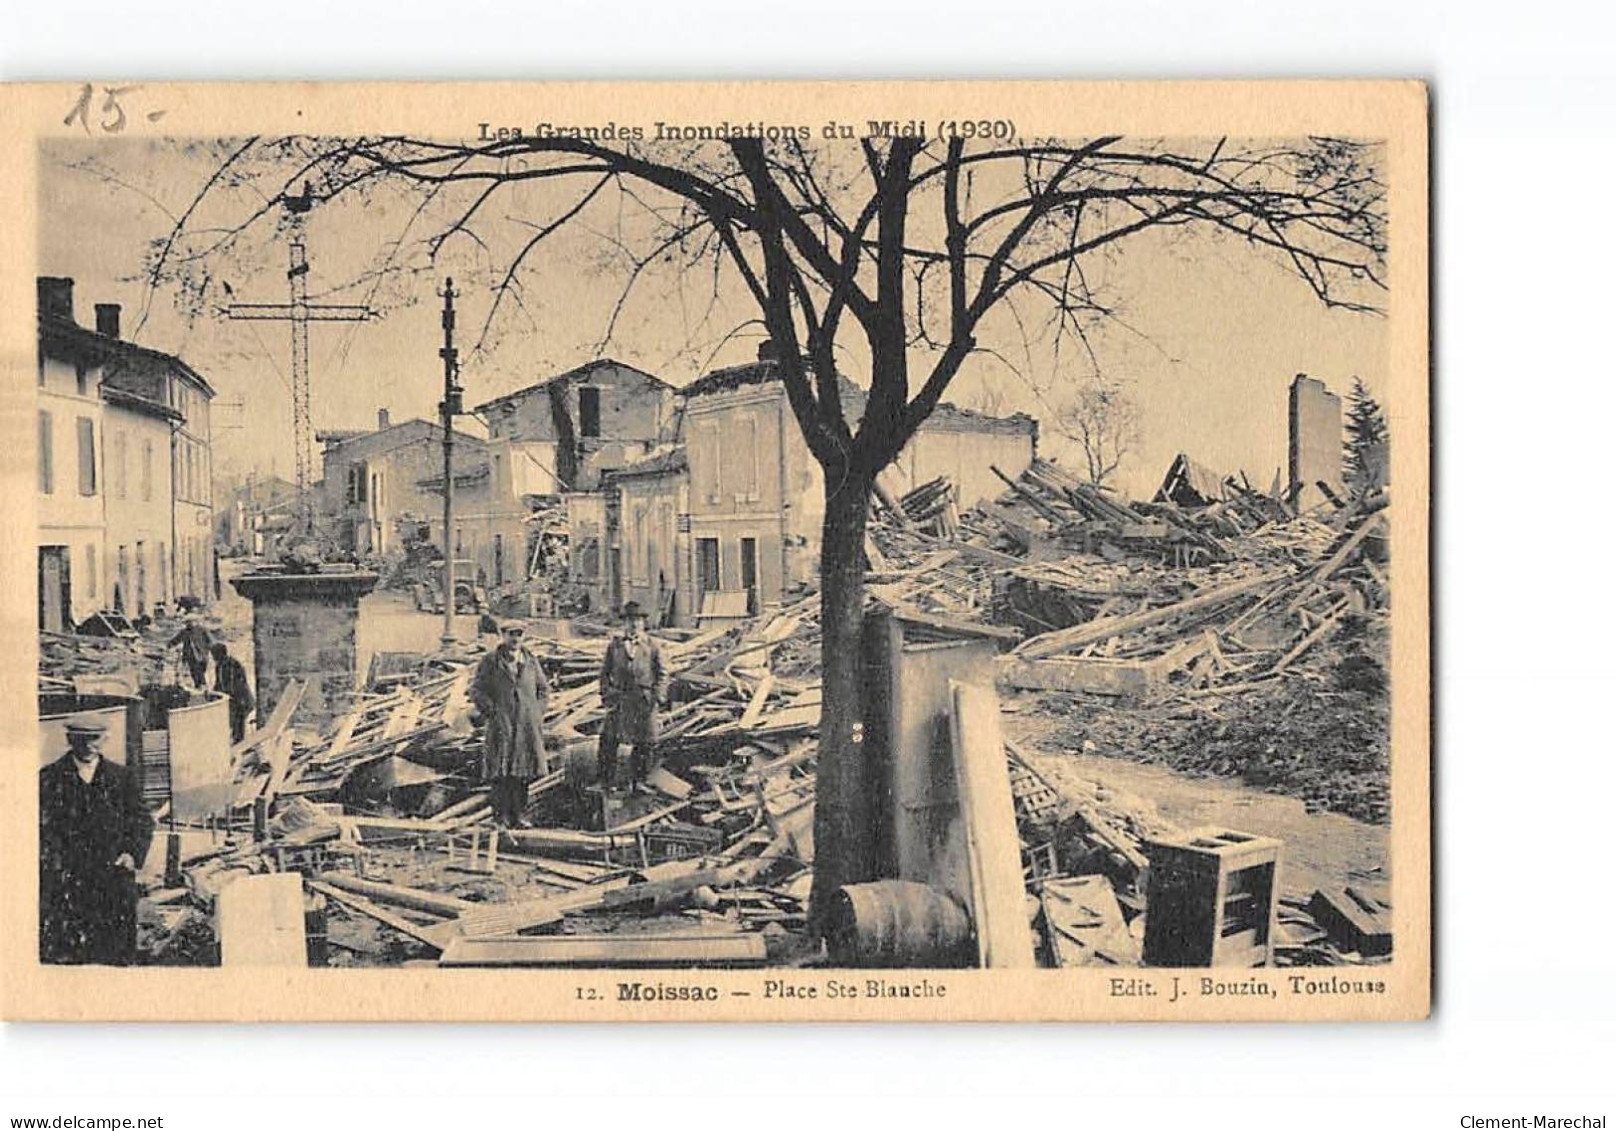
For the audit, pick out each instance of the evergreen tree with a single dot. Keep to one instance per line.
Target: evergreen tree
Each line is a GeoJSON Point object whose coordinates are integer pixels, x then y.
{"type": "Point", "coordinates": [1365, 456]}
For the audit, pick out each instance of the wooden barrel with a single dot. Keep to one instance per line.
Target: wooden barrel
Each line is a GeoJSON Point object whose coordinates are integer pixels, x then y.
{"type": "Point", "coordinates": [897, 923]}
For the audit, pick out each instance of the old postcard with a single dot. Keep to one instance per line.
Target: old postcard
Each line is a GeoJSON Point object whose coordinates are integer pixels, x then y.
{"type": "Point", "coordinates": [855, 551]}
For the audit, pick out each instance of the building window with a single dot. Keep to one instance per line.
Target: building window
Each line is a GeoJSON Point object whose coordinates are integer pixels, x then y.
{"type": "Point", "coordinates": [742, 458]}
{"type": "Point", "coordinates": [81, 375]}
{"type": "Point", "coordinates": [146, 471]}
{"type": "Point", "coordinates": [86, 455]}
{"type": "Point", "coordinates": [140, 579]}
{"type": "Point", "coordinates": [356, 484]}
{"type": "Point", "coordinates": [589, 412]}
{"type": "Point", "coordinates": [704, 462]}
{"type": "Point", "coordinates": [47, 464]}
{"type": "Point", "coordinates": [120, 460]}
{"type": "Point", "coordinates": [89, 570]}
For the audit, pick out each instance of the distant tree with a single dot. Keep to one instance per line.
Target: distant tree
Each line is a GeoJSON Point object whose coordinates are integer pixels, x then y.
{"type": "Point", "coordinates": [1102, 418]}
{"type": "Point", "coordinates": [1365, 456]}
{"type": "Point", "coordinates": [988, 399]}
{"type": "Point", "coordinates": [898, 257]}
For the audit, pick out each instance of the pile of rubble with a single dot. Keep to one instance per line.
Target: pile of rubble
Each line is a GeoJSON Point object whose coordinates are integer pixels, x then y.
{"type": "Point", "coordinates": [1244, 639]}
{"type": "Point", "coordinates": [1232, 639]}
{"type": "Point", "coordinates": [383, 815]}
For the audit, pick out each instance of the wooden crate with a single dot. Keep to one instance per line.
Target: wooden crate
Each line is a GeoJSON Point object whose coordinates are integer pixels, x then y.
{"type": "Point", "coordinates": [1212, 899]}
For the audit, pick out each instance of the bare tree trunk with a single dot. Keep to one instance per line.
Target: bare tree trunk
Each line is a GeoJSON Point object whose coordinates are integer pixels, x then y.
{"type": "Point", "coordinates": [844, 835]}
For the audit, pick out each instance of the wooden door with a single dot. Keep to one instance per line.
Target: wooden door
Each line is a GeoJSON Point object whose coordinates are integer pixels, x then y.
{"type": "Point", "coordinates": [749, 578]}
{"type": "Point", "coordinates": [707, 577]}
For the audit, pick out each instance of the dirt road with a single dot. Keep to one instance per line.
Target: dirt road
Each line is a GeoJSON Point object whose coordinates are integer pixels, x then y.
{"type": "Point", "coordinates": [1320, 848]}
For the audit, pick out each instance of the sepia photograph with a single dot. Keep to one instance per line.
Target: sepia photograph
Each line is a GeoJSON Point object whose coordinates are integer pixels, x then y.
{"type": "Point", "coordinates": [753, 558]}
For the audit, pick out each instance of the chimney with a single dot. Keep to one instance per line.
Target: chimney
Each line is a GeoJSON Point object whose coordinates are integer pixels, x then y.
{"type": "Point", "coordinates": [55, 297]}
{"type": "Point", "coordinates": [106, 318]}
{"type": "Point", "coordinates": [383, 420]}
{"type": "Point", "coordinates": [768, 351]}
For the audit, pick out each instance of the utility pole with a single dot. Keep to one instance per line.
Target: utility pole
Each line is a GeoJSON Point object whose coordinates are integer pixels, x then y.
{"type": "Point", "coordinates": [299, 312]}
{"type": "Point", "coordinates": [450, 408]}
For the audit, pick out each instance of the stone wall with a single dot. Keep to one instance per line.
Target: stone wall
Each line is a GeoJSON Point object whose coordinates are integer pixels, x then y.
{"type": "Point", "coordinates": [1315, 441]}
{"type": "Point", "coordinates": [305, 627]}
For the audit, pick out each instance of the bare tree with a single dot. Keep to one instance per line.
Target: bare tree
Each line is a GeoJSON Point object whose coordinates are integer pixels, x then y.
{"type": "Point", "coordinates": [897, 256]}
{"type": "Point", "coordinates": [1102, 418]}
{"type": "Point", "coordinates": [990, 400]}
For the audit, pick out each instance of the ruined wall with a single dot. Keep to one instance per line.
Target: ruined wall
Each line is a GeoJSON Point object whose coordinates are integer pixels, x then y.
{"type": "Point", "coordinates": [1315, 441]}
{"type": "Point", "coordinates": [633, 407]}
{"type": "Point", "coordinates": [966, 456]}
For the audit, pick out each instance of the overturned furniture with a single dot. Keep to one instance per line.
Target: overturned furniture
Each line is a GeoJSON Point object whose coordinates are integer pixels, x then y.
{"type": "Point", "coordinates": [1213, 899]}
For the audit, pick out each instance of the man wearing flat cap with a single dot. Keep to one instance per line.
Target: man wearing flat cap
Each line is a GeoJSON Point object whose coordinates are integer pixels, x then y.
{"type": "Point", "coordinates": [94, 831]}
{"type": "Point", "coordinates": [633, 681]}
{"type": "Point", "coordinates": [509, 692]}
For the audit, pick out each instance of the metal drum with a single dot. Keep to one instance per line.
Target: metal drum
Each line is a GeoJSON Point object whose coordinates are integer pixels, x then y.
{"type": "Point", "coordinates": [897, 923]}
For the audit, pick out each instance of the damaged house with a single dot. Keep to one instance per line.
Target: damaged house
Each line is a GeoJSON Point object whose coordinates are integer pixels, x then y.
{"type": "Point", "coordinates": [727, 517]}
{"type": "Point", "coordinates": [570, 428]}
{"type": "Point", "coordinates": [383, 489]}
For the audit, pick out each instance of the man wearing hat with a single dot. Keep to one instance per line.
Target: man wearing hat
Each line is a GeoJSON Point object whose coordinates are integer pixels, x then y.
{"type": "Point", "coordinates": [94, 831]}
{"type": "Point", "coordinates": [633, 681]}
{"type": "Point", "coordinates": [509, 692]}
{"type": "Point", "coordinates": [194, 643]}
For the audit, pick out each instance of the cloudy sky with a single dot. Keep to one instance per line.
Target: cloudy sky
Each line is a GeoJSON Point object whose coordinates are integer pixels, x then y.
{"type": "Point", "coordinates": [1209, 337]}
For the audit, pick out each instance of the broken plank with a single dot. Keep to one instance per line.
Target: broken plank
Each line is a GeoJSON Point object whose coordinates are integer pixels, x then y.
{"type": "Point", "coordinates": [413, 898]}
{"type": "Point", "coordinates": [754, 708]}
{"type": "Point", "coordinates": [434, 936]}
{"type": "Point", "coordinates": [993, 846]}
{"type": "Point", "coordinates": [1325, 628]}
{"type": "Point", "coordinates": [1376, 522]}
{"type": "Point", "coordinates": [1098, 674]}
{"type": "Point", "coordinates": [291, 696]}
{"type": "Point", "coordinates": [1093, 632]}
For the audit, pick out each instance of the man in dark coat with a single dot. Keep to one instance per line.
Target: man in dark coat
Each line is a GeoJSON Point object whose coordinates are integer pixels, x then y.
{"type": "Point", "coordinates": [94, 831]}
{"type": "Point", "coordinates": [230, 678]}
{"type": "Point", "coordinates": [633, 680]}
{"type": "Point", "coordinates": [193, 642]}
{"type": "Point", "coordinates": [509, 692]}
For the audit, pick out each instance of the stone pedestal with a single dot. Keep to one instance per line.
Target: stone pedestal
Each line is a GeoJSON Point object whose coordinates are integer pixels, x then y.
{"type": "Point", "coordinates": [305, 627]}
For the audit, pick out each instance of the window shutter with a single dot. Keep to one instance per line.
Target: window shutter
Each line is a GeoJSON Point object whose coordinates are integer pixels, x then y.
{"type": "Point", "coordinates": [86, 455]}
{"type": "Point", "coordinates": [47, 462]}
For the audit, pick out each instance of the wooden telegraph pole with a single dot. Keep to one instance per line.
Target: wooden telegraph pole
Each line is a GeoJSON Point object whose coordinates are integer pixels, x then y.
{"type": "Point", "coordinates": [450, 408]}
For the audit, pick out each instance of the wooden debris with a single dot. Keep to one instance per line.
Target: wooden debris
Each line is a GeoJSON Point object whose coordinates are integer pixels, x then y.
{"type": "Point", "coordinates": [1352, 921]}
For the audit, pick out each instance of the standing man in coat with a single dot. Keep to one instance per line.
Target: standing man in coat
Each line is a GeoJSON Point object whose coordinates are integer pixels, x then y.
{"type": "Point", "coordinates": [94, 831]}
{"type": "Point", "coordinates": [193, 641]}
{"type": "Point", "coordinates": [633, 681]}
{"type": "Point", "coordinates": [509, 692]}
{"type": "Point", "coordinates": [230, 678]}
